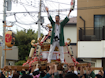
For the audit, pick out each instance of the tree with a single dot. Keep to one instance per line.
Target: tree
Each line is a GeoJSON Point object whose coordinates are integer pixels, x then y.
{"type": "Point", "coordinates": [23, 41]}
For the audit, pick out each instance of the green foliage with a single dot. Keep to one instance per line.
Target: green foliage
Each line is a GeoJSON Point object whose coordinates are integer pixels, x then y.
{"type": "Point", "coordinates": [23, 41]}
{"type": "Point", "coordinates": [20, 62]}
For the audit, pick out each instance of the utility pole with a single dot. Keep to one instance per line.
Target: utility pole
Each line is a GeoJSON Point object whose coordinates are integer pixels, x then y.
{"type": "Point", "coordinates": [4, 22]}
{"type": "Point", "coordinates": [39, 20]}
{"type": "Point", "coordinates": [58, 9]}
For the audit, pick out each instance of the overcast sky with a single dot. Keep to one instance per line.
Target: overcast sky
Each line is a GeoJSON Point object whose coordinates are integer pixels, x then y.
{"type": "Point", "coordinates": [29, 19]}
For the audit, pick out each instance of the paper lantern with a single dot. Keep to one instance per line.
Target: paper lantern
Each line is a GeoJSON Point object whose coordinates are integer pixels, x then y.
{"type": "Point", "coordinates": [9, 38]}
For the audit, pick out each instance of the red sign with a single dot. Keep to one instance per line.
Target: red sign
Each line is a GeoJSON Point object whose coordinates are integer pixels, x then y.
{"type": "Point", "coordinates": [8, 38]}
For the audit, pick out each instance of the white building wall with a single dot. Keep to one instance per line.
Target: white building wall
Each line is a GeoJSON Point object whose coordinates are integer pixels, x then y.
{"type": "Point", "coordinates": [98, 63]}
{"type": "Point", "coordinates": [12, 54]}
{"type": "Point", "coordinates": [90, 49]}
{"type": "Point", "coordinates": [70, 32]}
{"type": "Point", "coordinates": [103, 47]}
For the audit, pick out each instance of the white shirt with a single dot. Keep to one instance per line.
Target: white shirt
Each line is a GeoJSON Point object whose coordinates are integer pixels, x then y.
{"type": "Point", "coordinates": [57, 30]}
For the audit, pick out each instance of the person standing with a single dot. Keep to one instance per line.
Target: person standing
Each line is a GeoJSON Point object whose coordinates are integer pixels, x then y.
{"type": "Point", "coordinates": [57, 36]}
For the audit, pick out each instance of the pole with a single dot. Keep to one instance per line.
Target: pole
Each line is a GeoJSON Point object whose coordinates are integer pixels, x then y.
{"type": "Point", "coordinates": [5, 57]}
{"type": "Point", "coordinates": [4, 22]}
{"type": "Point", "coordinates": [39, 22]}
{"type": "Point", "coordinates": [58, 9]}
{"type": "Point", "coordinates": [84, 24]}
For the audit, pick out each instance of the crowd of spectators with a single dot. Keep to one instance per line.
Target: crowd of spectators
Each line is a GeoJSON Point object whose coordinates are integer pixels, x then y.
{"type": "Point", "coordinates": [68, 71]}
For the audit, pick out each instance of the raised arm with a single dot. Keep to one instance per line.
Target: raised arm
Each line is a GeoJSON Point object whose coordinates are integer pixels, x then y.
{"type": "Point", "coordinates": [48, 75]}
{"type": "Point", "coordinates": [47, 10]}
{"type": "Point", "coordinates": [49, 16]}
{"type": "Point", "coordinates": [72, 4]}
{"type": "Point", "coordinates": [67, 17]}
{"type": "Point", "coordinates": [87, 71]}
{"type": "Point", "coordinates": [81, 71]}
{"type": "Point", "coordinates": [56, 74]}
{"type": "Point", "coordinates": [75, 70]}
{"type": "Point", "coordinates": [63, 23]}
{"type": "Point", "coordinates": [69, 12]}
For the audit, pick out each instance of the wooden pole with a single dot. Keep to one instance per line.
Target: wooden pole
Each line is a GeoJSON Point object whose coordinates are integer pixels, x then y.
{"type": "Point", "coordinates": [19, 68]}
{"type": "Point", "coordinates": [4, 43]}
{"type": "Point", "coordinates": [5, 47]}
{"type": "Point", "coordinates": [5, 57]}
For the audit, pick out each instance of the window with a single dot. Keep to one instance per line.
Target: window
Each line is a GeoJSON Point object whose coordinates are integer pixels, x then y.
{"type": "Point", "coordinates": [99, 22]}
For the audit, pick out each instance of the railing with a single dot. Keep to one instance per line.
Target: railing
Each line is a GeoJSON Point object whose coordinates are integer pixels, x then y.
{"type": "Point", "coordinates": [92, 33]}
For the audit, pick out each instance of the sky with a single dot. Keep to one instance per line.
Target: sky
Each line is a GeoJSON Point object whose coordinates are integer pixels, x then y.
{"type": "Point", "coordinates": [27, 20]}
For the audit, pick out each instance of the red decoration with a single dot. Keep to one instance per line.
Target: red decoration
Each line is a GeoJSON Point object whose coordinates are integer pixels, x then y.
{"type": "Point", "coordinates": [8, 38]}
{"type": "Point", "coordinates": [71, 3]}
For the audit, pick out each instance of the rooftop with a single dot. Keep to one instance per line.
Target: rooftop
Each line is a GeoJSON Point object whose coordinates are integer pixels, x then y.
{"type": "Point", "coordinates": [72, 21]}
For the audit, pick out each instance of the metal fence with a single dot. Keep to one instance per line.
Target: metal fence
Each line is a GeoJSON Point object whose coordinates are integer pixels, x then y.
{"type": "Point", "coordinates": [92, 33]}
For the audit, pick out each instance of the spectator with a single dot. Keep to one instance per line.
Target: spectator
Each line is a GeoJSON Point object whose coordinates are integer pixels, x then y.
{"type": "Point", "coordinates": [2, 75]}
{"type": "Point", "coordinates": [48, 75]}
{"type": "Point", "coordinates": [71, 75]}
{"type": "Point", "coordinates": [60, 74]}
{"type": "Point", "coordinates": [79, 75]}
{"type": "Point", "coordinates": [15, 75]}
{"type": "Point", "coordinates": [26, 76]}
{"type": "Point", "coordinates": [101, 72]}
{"type": "Point", "coordinates": [42, 74]}
{"type": "Point", "coordinates": [98, 76]}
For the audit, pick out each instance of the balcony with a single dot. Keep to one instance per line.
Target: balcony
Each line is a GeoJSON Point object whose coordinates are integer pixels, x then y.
{"type": "Point", "coordinates": [91, 42]}
{"type": "Point", "coordinates": [92, 33]}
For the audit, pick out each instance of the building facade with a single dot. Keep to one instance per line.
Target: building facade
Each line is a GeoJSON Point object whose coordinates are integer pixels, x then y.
{"type": "Point", "coordinates": [11, 55]}
{"type": "Point", "coordinates": [90, 31]}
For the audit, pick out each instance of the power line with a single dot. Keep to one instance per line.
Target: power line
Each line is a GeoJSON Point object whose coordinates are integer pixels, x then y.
{"type": "Point", "coordinates": [60, 6]}
{"type": "Point", "coordinates": [32, 17]}
{"type": "Point", "coordinates": [20, 26]}
{"type": "Point", "coordinates": [29, 13]}
{"type": "Point", "coordinates": [51, 5]}
{"type": "Point", "coordinates": [27, 4]}
{"type": "Point", "coordinates": [26, 1]}
{"type": "Point", "coordinates": [61, 10]}
{"type": "Point", "coordinates": [87, 0]}
{"type": "Point", "coordinates": [58, 2]}
{"type": "Point", "coordinates": [22, 23]}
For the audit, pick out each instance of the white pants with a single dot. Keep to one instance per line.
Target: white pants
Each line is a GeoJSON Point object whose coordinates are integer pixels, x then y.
{"type": "Point", "coordinates": [52, 48]}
